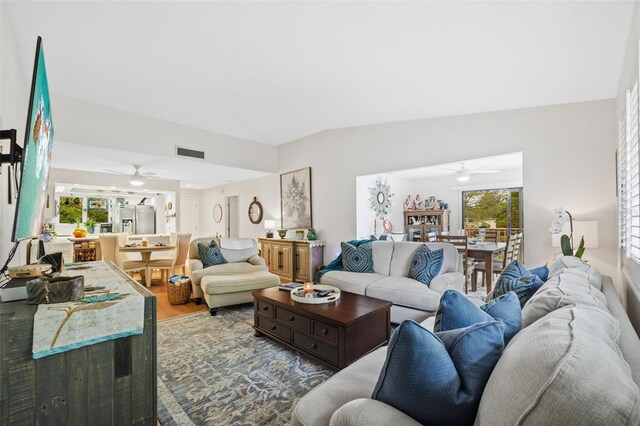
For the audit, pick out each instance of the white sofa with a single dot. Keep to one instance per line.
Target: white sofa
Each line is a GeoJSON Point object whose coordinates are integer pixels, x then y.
{"type": "Point", "coordinates": [230, 283]}
{"type": "Point", "coordinates": [531, 384]}
{"type": "Point", "coordinates": [390, 280]}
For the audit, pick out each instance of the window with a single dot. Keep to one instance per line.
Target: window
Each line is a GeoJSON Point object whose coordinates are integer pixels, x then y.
{"type": "Point", "coordinates": [622, 180]}
{"type": "Point", "coordinates": [71, 209]}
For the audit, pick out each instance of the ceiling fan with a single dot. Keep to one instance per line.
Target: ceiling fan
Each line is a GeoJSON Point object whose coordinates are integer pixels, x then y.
{"type": "Point", "coordinates": [137, 178]}
{"type": "Point", "coordinates": [463, 173]}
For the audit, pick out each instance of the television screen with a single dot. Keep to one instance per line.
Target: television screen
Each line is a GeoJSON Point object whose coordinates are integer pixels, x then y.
{"type": "Point", "coordinates": [36, 155]}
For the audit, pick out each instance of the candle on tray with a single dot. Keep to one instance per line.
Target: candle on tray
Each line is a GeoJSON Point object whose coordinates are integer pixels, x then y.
{"type": "Point", "coordinates": [308, 289]}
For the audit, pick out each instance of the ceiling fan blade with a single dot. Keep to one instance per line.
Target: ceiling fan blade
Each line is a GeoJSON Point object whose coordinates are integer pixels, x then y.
{"type": "Point", "coordinates": [116, 172]}
{"type": "Point", "coordinates": [484, 171]}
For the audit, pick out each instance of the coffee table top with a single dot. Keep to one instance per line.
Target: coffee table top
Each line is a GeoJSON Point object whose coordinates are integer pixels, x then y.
{"type": "Point", "coordinates": [349, 308]}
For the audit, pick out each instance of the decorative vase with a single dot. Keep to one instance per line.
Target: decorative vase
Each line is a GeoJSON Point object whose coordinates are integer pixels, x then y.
{"type": "Point", "coordinates": [47, 237]}
{"type": "Point", "coordinates": [311, 234]}
{"type": "Point", "coordinates": [282, 233]}
{"type": "Point", "coordinates": [91, 230]}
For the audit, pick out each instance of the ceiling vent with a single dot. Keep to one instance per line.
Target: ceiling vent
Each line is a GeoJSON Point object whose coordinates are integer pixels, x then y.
{"type": "Point", "coordinates": [185, 152]}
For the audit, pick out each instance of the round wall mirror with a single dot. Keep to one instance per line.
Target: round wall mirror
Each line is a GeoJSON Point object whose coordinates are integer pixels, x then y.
{"type": "Point", "coordinates": [217, 213]}
{"type": "Point", "coordinates": [255, 211]}
{"type": "Point", "coordinates": [380, 198]}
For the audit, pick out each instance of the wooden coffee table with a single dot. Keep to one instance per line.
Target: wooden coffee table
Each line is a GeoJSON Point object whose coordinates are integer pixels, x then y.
{"type": "Point", "coordinates": [337, 333]}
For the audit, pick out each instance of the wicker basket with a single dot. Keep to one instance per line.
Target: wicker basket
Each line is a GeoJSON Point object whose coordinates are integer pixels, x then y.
{"type": "Point", "coordinates": [179, 294]}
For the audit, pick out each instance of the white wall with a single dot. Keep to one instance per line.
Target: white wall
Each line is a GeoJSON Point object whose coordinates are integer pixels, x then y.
{"type": "Point", "coordinates": [630, 280]}
{"type": "Point", "coordinates": [76, 122]}
{"type": "Point", "coordinates": [568, 160]}
{"type": "Point", "coordinates": [14, 98]}
{"type": "Point", "coordinates": [267, 191]}
{"type": "Point", "coordinates": [400, 187]}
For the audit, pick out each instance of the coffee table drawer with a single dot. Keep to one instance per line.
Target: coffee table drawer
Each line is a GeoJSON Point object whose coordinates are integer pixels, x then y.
{"type": "Point", "coordinates": [265, 308]}
{"type": "Point", "coordinates": [316, 347]}
{"type": "Point", "coordinates": [294, 320]}
{"type": "Point", "coordinates": [274, 328]}
{"type": "Point", "coordinates": [325, 332]}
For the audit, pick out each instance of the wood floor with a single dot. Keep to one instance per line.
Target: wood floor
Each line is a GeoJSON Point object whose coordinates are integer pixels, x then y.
{"type": "Point", "coordinates": [165, 310]}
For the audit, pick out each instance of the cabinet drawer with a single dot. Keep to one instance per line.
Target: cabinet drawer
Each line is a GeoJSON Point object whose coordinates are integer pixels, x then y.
{"type": "Point", "coordinates": [325, 332]}
{"type": "Point", "coordinates": [315, 347]}
{"type": "Point", "coordinates": [274, 328]}
{"type": "Point", "coordinates": [294, 320]}
{"type": "Point", "coordinates": [265, 308]}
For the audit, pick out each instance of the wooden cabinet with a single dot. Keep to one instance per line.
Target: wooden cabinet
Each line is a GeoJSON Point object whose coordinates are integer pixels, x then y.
{"type": "Point", "coordinates": [292, 260]}
{"type": "Point", "coordinates": [107, 383]}
{"type": "Point", "coordinates": [418, 222]}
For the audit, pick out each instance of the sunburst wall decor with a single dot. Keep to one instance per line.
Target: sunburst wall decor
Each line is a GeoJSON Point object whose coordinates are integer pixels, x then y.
{"type": "Point", "coordinates": [380, 198]}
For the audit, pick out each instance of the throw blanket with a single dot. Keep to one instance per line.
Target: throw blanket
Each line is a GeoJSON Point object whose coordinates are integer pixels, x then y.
{"type": "Point", "coordinates": [111, 308]}
{"type": "Point", "coordinates": [336, 264]}
{"type": "Point", "coordinates": [236, 243]}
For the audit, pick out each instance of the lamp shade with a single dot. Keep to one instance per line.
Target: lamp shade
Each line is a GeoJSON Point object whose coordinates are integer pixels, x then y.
{"type": "Point", "coordinates": [581, 228]}
{"type": "Point", "coordinates": [269, 224]}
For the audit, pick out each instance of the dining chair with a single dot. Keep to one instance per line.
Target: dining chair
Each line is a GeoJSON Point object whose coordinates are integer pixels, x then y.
{"type": "Point", "coordinates": [487, 235]}
{"type": "Point", "coordinates": [460, 242]}
{"type": "Point", "coordinates": [511, 253]}
{"type": "Point", "coordinates": [110, 244]}
{"type": "Point", "coordinates": [179, 259]}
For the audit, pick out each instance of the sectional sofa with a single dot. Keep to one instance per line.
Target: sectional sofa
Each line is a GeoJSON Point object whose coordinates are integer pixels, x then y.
{"type": "Point", "coordinates": [390, 280]}
{"type": "Point", "coordinates": [575, 361]}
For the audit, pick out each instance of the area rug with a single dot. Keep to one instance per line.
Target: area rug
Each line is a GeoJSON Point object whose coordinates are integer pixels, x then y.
{"type": "Point", "coordinates": [213, 371]}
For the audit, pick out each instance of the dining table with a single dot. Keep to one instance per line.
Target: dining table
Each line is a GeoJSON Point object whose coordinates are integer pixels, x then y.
{"type": "Point", "coordinates": [485, 251]}
{"type": "Point", "coordinates": [145, 254]}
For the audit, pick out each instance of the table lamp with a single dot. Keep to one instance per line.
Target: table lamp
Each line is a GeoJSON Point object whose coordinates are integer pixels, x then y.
{"type": "Point", "coordinates": [269, 225]}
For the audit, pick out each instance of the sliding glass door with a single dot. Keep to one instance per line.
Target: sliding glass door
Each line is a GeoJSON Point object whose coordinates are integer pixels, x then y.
{"type": "Point", "coordinates": [493, 209]}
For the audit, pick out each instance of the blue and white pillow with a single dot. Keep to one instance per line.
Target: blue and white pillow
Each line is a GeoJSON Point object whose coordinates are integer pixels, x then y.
{"type": "Point", "coordinates": [426, 264]}
{"type": "Point", "coordinates": [438, 379]}
{"type": "Point", "coordinates": [456, 311]}
{"type": "Point", "coordinates": [523, 287]}
{"type": "Point", "coordinates": [357, 259]}
{"type": "Point", "coordinates": [210, 255]}
{"type": "Point", "coordinates": [516, 270]}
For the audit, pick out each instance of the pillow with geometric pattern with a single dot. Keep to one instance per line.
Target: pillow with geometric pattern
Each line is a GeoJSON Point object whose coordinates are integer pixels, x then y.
{"type": "Point", "coordinates": [357, 259]}
{"type": "Point", "coordinates": [426, 264]}
{"type": "Point", "coordinates": [523, 287]}
{"type": "Point", "coordinates": [210, 255]}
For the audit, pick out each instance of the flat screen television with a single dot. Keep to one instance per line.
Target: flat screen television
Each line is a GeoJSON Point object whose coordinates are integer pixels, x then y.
{"type": "Point", "coordinates": [36, 156]}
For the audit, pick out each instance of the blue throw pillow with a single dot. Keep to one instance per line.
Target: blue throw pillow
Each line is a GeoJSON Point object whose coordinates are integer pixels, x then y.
{"type": "Point", "coordinates": [357, 259]}
{"type": "Point", "coordinates": [438, 379]}
{"type": "Point", "coordinates": [426, 264]}
{"type": "Point", "coordinates": [516, 270]}
{"type": "Point", "coordinates": [541, 272]}
{"type": "Point", "coordinates": [456, 311]}
{"type": "Point", "coordinates": [210, 255]}
{"type": "Point", "coordinates": [524, 288]}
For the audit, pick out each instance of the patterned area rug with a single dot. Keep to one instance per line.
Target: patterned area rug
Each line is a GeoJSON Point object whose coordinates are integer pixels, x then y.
{"type": "Point", "coordinates": [213, 371]}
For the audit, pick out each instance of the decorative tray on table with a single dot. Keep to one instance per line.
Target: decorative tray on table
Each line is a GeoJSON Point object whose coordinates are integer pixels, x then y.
{"type": "Point", "coordinates": [320, 294]}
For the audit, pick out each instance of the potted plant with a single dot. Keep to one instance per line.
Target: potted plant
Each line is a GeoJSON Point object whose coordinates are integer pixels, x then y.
{"type": "Point", "coordinates": [560, 216]}
{"type": "Point", "coordinates": [91, 226]}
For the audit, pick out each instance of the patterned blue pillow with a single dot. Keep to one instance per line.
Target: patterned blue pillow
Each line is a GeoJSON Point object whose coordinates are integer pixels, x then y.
{"type": "Point", "coordinates": [456, 311]}
{"type": "Point", "coordinates": [541, 272]}
{"type": "Point", "coordinates": [210, 255]}
{"type": "Point", "coordinates": [426, 264]}
{"type": "Point", "coordinates": [438, 379]}
{"type": "Point", "coordinates": [523, 287]}
{"type": "Point", "coordinates": [357, 259]}
{"type": "Point", "coordinates": [516, 270]}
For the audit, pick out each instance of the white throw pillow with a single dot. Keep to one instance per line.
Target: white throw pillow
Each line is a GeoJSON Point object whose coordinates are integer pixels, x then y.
{"type": "Point", "coordinates": [565, 369]}
{"type": "Point", "coordinates": [574, 283]}
{"type": "Point", "coordinates": [587, 272]}
{"type": "Point", "coordinates": [549, 298]}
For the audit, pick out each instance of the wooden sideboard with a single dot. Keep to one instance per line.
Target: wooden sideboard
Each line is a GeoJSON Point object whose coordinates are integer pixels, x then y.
{"type": "Point", "coordinates": [107, 383]}
{"type": "Point", "coordinates": [418, 222]}
{"type": "Point", "coordinates": [292, 260]}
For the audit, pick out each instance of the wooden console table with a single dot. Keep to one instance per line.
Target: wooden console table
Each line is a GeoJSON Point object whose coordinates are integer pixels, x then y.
{"type": "Point", "coordinates": [292, 260]}
{"type": "Point", "coordinates": [108, 383]}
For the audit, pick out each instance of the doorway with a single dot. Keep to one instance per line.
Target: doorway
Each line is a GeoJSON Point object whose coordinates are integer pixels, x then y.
{"type": "Point", "coordinates": [232, 217]}
{"type": "Point", "coordinates": [493, 209]}
{"type": "Point", "coordinates": [189, 216]}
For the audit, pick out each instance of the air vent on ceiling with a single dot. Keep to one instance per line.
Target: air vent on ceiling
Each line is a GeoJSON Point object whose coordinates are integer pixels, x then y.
{"type": "Point", "coordinates": [185, 152]}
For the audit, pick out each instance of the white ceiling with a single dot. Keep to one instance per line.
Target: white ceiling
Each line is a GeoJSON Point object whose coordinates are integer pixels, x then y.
{"type": "Point", "coordinates": [194, 174]}
{"type": "Point", "coordinates": [507, 165]}
{"type": "Point", "coordinates": [276, 71]}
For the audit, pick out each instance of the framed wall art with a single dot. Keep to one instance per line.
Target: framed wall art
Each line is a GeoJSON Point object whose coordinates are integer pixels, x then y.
{"type": "Point", "coordinates": [295, 199]}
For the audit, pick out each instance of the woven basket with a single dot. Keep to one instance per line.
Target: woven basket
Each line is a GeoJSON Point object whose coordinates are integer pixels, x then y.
{"type": "Point", "coordinates": [179, 294]}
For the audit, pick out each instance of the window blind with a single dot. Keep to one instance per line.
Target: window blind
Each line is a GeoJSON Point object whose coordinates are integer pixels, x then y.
{"type": "Point", "coordinates": [622, 180]}
{"type": "Point", "coordinates": [633, 175]}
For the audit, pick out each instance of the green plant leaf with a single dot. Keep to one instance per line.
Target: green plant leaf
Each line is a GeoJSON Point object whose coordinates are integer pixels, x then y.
{"type": "Point", "coordinates": [565, 244]}
{"type": "Point", "coordinates": [581, 247]}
